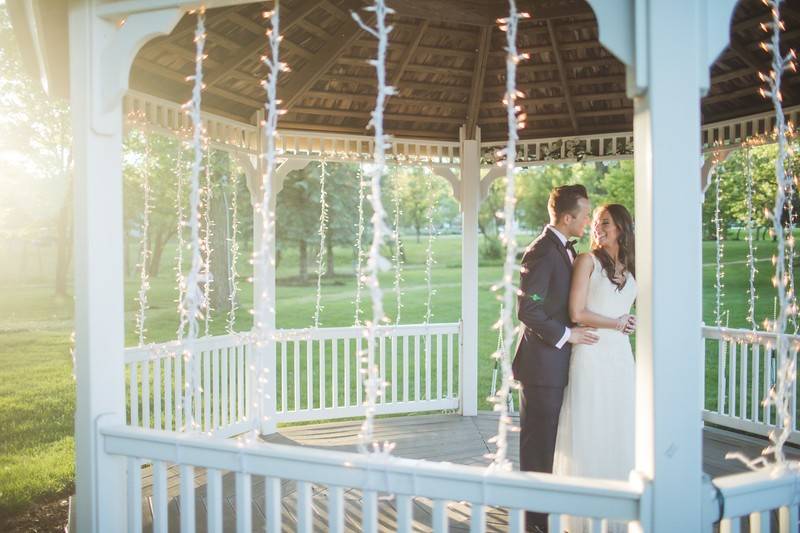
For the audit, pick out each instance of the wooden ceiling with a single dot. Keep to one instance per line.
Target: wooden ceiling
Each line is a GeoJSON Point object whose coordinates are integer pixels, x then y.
{"type": "Point", "coordinates": [446, 58]}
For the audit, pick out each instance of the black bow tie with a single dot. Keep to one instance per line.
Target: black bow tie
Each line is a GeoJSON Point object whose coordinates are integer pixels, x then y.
{"type": "Point", "coordinates": [570, 245]}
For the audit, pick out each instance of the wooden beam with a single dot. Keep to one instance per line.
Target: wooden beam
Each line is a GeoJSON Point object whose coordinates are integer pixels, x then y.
{"type": "Point", "coordinates": [400, 100]}
{"type": "Point", "coordinates": [259, 44]}
{"type": "Point", "coordinates": [748, 57]}
{"type": "Point", "coordinates": [367, 114]}
{"type": "Point", "coordinates": [419, 85]}
{"type": "Point", "coordinates": [301, 80]}
{"type": "Point", "coordinates": [478, 75]}
{"type": "Point", "coordinates": [481, 13]}
{"type": "Point", "coordinates": [408, 54]}
{"type": "Point", "coordinates": [562, 72]}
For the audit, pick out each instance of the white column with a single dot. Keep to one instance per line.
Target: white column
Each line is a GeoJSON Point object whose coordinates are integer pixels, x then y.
{"type": "Point", "coordinates": [668, 261]}
{"type": "Point", "coordinates": [99, 314]}
{"type": "Point", "coordinates": [470, 205]}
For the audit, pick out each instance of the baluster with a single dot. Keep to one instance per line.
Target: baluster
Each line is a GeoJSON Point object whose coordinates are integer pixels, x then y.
{"type": "Point", "coordinates": [214, 500]}
{"type": "Point", "coordinates": [416, 368]}
{"type": "Point", "coordinates": [322, 373]}
{"type": "Point", "coordinates": [730, 525]}
{"type": "Point", "coordinates": [406, 365]}
{"type": "Point", "coordinates": [309, 374]}
{"type": "Point", "coordinates": [394, 366]}
{"type": "Point", "coordinates": [168, 408]}
{"type": "Point", "coordinates": [767, 384]}
{"type": "Point", "coordinates": [477, 519]}
{"type": "Point", "coordinates": [335, 509]}
{"type": "Point", "coordinates": [215, 411]}
{"type": "Point", "coordinates": [157, 392]}
{"type": "Point", "coordinates": [428, 365]}
{"type": "Point", "coordinates": [382, 368]}
{"type": "Point", "coordinates": [347, 372]}
{"type": "Point", "coordinates": [440, 516]}
{"type": "Point", "coordinates": [743, 382]}
{"type": "Point", "coordinates": [160, 501]}
{"type": "Point", "coordinates": [244, 515]}
{"type": "Point", "coordinates": [369, 512]}
{"type": "Point", "coordinates": [305, 518]}
{"type": "Point", "coordinates": [721, 376]}
{"type": "Point", "coordinates": [359, 380]}
{"type": "Point", "coordinates": [793, 397]}
{"type": "Point", "coordinates": [207, 390]}
{"type": "Point", "coordinates": [197, 369]}
{"type": "Point", "coordinates": [404, 514]}
{"type": "Point", "coordinates": [223, 356]}
{"type": "Point", "coordinates": [335, 373]}
{"type": "Point", "coordinates": [439, 369]}
{"type": "Point", "coordinates": [598, 525]}
{"type": "Point", "coordinates": [177, 360]}
{"type": "Point", "coordinates": [296, 375]}
{"type": "Point", "coordinates": [516, 521]}
{"type": "Point", "coordinates": [187, 499]}
{"type": "Point", "coordinates": [240, 391]}
{"type": "Point", "coordinates": [554, 522]}
{"type": "Point", "coordinates": [756, 397]}
{"type": "Point", "coordinates": [450, 365]}
{"type": "Point", "coordinates": [759, 522]}
{"type": "Point", "coordinates": [134, 499]}
{"type": "Point", "coordinates": [272, 504]}
{"type": "Point", "coordinates": [787, 519]}
{"type": "Point", "coordinates": [732, 379]}
{"type": "Point", "coordinates": [284, 374]}
{"type": "Point", "coordinates": [146, 394]}
{"type": "Point", "coordinates": [133, 393]}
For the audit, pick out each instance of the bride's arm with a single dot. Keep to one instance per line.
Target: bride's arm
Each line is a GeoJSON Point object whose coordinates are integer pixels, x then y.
{"type": "Point", "coordinates": [578, 313]}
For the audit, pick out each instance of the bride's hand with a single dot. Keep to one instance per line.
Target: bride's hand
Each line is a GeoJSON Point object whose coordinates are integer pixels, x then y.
{"type": "Point", "coordinates": [626, 324]}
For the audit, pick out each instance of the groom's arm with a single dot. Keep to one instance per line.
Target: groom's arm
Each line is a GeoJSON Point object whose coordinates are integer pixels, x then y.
{"type": "Point", "coordinates": [535, 276]}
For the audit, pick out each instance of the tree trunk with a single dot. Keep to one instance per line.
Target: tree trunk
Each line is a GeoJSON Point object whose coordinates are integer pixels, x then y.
{"type": "Point", "coordinates": [159, 242]}
{"type": "Point", "coordinates": [64, 243]}
{"type": "Point", "coordinates": [220, 256]}
{"type": "Point", "coordinates": [419, 232]}
{"type": "Point", "coordinates": [303, 260]}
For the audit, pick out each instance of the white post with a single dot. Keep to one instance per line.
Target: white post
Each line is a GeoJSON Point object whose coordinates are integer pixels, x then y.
{"type": "Point", "coordinates": [470, 205]}
{"type": "Point", "coordinates": [668, 260]}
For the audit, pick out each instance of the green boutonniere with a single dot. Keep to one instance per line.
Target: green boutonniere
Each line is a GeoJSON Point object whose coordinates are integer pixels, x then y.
{"type": "Point", "coordinates": [536, 298]}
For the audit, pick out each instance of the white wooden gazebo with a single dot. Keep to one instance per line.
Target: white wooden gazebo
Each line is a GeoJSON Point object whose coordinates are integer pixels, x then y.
{"type": "Point", "coordinates": [607, 75]}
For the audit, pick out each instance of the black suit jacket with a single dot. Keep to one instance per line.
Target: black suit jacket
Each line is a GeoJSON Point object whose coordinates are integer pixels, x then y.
{"type": "Point", "coordinates": [543, 310]}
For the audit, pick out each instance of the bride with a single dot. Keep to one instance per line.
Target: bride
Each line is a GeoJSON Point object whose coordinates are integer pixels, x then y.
{"type": "Point", "coordinates": [595, 435]}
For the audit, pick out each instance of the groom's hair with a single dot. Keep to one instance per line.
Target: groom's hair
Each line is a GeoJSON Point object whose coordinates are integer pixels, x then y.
{"type": "Point", "coordinates": [564, 200]}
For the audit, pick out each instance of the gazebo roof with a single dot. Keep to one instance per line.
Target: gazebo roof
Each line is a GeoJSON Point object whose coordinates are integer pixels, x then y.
{"type": "Point", "coordinates": [446, 58]}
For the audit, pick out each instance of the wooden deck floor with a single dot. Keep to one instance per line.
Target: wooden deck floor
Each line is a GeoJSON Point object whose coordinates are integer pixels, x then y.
{"type": "Point", "coordinates": [438, 437]}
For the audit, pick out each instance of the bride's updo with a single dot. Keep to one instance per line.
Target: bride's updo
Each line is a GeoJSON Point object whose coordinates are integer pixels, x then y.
{"type": "Point", "coordinates": [626, 241]}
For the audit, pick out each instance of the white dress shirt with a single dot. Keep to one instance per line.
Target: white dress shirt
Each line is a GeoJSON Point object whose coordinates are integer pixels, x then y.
{"type": "Point", "coordinates": [563, 239]}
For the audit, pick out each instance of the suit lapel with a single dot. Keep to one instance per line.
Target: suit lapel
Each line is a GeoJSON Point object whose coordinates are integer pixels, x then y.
{"type": "Point", "coordinates": [561, 248]}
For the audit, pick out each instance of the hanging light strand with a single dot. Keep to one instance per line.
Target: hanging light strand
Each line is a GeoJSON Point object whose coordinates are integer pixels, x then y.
{"type": "Point", "coordinates": [193, 295]}
{"type": "Point", "coordinates": [144, 244]}
{"type": "Point", "coordinates": [429, 258]}
{"type": "Point", "coordinates": [719, 230]}
{"type": "Point", "coordinates": [751, 249]}
{"type": "Point", "coordinates": [181, 211]}
{"type": "Point", "coordinates": [323, 232]}
{"type": "Point", "coordinates": [207, 237]}
{"type": "Point", "coordinates": [374, 385]}
{"type": "Point", "coordinates": [516, 121]}
{"type": "Point", "coordinates": [233, 241]}
{"type": "Point", "coordinates": [397, 250]}
{"type": "Point", "coordinates": [780, 394]}
{"type": "Point", "coordinates": [360, 247]}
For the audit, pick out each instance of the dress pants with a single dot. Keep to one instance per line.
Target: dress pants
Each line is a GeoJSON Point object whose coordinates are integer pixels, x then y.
{"type": "Point", "coordinates": [538, 417]}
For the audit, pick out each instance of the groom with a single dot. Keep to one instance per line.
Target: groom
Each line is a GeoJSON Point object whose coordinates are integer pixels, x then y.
{"type": "Point", "coordinates": [541, 363]}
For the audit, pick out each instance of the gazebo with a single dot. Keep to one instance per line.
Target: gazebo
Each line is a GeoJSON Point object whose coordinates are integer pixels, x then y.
{"type": "Point", "coordinates": [657, 81]}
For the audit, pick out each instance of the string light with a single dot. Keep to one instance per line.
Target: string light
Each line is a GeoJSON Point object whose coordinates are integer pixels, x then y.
{"type": "Point", "coordinates": [509, 25]}
{"type": "Point", "coordinates": [397, 250]}
{"type": "Point", "coordinates": [375, 261]}
{"type": "Point", "coordinates": [719, 230]}
{"type": "Point", "coordinates": [193, 296]}
{"type": "Point", "coordinates": [233, 240]}
{"type": "Point", "coordinates": [207, 237]}
{"type": "Point", "coordinates": [323, 230]}
{"type": "Point", "coordinates": [429, 258]}
{"type": "Point", "coordinates": [179, 205]}
{"type": "Point", "coordinates": [144, 244]}
{"type": "Point", "coordinates": [780, 394]}
{"type": "Point", "coordinates": [360, 246]}
{"type": "Point", "coordinates": [751, 249]}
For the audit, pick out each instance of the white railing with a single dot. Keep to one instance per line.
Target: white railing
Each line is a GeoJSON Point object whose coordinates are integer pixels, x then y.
{"type": "Point", "coordinates": [746, 366]}
{"type": "Point", "coordinates": [156, 384]}
{"type": "Point", "coordinates": [318, 376]}
{"type": "Point", "coordinates": [319, 371]}
{"type": "Point", "coordinates": [759, 502]}
{"type": "Point", "coordinates": [246, 466]}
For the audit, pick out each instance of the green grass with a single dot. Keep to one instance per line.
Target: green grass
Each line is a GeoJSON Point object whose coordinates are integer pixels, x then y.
{"type": "Point", "coordinates": [37, 393]}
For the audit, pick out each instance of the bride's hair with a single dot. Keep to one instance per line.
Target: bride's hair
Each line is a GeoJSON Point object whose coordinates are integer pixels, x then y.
{"type": "Point", "coordinates": [627, 245]}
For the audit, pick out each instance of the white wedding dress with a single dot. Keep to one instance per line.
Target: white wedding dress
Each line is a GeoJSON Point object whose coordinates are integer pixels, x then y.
{"type": "Point", "coordinates": [596, 427]}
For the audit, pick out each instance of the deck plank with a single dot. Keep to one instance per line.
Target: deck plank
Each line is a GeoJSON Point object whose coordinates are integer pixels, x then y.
{"type": "Point", "coordinates": [436, 437]}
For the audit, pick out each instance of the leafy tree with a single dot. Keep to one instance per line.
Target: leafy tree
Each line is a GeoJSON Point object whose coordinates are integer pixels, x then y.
{"type": "Point", "coordinates": [421, 195]}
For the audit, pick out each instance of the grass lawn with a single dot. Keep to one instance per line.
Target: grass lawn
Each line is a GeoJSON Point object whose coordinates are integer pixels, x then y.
{"type": "Point", "coordinates": [37, 390]}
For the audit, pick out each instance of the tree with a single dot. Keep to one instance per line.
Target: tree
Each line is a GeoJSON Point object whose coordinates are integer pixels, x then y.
{"type": "Point", "coordinates": [421, 195]}
{"type": "Point", "coordinates": [297, 217]}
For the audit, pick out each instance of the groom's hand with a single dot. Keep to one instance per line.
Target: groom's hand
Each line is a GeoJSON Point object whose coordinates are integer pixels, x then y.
{"type": "Point", "coordinates": [582, 335]}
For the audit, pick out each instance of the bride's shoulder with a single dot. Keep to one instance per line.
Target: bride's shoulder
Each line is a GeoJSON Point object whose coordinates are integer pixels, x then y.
{"type": "Point", "coordinates": [584, 261]}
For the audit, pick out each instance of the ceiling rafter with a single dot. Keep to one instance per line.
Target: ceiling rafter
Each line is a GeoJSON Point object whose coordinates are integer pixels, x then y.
{"type": "Point", "coordinates": [258, 45]}
{"type": "Point", "coordinates": [301, 80]}
{"type": "Point", "coordinates": [408, 54]}
{"type": "Point", "coordinates": [478, 76]}
{"type": "Point", "coordinates": [562, 72]}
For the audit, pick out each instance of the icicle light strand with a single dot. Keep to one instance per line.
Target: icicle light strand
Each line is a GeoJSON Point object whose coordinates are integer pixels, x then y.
{"type": "Point", "coordinates": [180, 280]}
{"type": "Point", "coordinates": [360, 247]}
{"type": "Point", "coordinates": [233, 241]}
{"type": "Point", "coordinates": [719, 230]}
{"type": "Point", "coordinates": [751, 249]}
{"type": "Point", "coordinates": [375, 262]}
{"type": "Point", "coordinates": [780, 394]}
{"type": "Point", "coordinates": [207, 238]}
{"type": "Point", "coordinates": [509, 25]}
{"type": "Point", "coordinates": [322, 231]}
{"type": "Point", "coordinates": [397, 250]}
{"type": "Point", "coordinates": [429, 258]}
{"type": "Point", "coordinates": [144, 252]}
